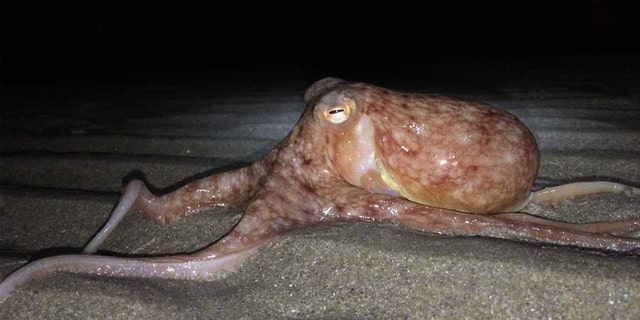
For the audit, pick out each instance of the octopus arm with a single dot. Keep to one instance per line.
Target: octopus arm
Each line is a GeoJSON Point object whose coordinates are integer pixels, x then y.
{"type": "Point", "coordinates": [362, 205]}
{"type": "Point", "coordinates": [175, 267]}
{"type": "Point", "coordinates": [229, 189]}
{"type": "Point", "coordinates": [258, 226]}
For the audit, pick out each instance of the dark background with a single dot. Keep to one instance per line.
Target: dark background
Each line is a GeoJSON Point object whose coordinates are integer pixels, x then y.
{"type": "Point", "coordinates": [110, 41]}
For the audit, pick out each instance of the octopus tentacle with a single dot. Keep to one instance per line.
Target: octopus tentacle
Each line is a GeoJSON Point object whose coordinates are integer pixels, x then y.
{"type": "Point", "coordinates": [226, 189]}
{"type": "Point", "coordinates": [257, 227]}
{"type": "Point", "coordinates": [617, 228]}
{"type": "Point", "coordinates": [129, 196]}
{"type": "Point", "coordinates": [578, 189]}
{"type": "Point", "coordinates": [176, 267]}
{"type": "Point", "coordinates": [230, 189]}
{"type": "Point", "coordinates": [377, 207]}
{"type": "Point", "coordinates": [496, 227]}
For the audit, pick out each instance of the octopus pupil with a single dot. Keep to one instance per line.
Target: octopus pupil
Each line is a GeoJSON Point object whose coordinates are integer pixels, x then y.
{"type": "Point", "coordinates": [334, 111]}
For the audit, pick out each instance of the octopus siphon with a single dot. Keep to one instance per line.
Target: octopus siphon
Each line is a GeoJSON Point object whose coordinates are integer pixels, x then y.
{"type": "Point", "coordinates": [362, 153]}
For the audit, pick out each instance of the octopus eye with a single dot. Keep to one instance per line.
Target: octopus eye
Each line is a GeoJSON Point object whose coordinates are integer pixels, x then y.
{"type": "Point", "coordinates": [339, 113]}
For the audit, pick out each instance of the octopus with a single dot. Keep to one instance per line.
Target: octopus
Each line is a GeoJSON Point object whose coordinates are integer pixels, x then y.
{"type": "Point", "coordinates": [362, 153]}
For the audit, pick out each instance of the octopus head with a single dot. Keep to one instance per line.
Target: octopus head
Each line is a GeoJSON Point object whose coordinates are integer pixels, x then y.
{"type": "Point", "coordinates": [338, 107]}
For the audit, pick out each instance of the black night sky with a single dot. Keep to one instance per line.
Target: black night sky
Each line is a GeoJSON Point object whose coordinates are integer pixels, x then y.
{"type": "Point", "coordinates": [58, 41]}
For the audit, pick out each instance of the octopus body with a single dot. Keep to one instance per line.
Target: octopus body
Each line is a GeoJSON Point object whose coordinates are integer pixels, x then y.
{"type": "Point", "coordinates": [362, 153]}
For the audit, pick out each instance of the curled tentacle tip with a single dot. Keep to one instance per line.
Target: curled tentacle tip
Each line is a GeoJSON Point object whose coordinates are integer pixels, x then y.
{"type": "Point", "coordinates": [127, 200]}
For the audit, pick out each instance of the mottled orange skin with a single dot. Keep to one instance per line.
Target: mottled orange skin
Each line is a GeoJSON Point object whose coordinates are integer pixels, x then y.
{"type": "Point", "coordinates": [444, 152]}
